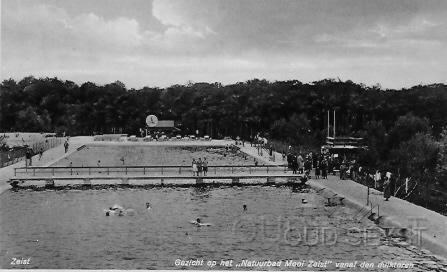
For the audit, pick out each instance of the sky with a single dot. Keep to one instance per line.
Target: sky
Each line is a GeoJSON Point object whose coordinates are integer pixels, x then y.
{"type": "Point", "coordinates": [158, 43]}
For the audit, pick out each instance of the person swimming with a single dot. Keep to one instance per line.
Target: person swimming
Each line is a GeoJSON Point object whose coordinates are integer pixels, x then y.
{"type": "Point", "coordinates": [119, 211]}
{"type": "Point", "coordinates": [112, 211]}
{"type": "Point", "coordinates": [244, 207]}
{"type": "Point", "coordinates": [148, 206]}
{"type": "Point", "coordinates": [199, 223]}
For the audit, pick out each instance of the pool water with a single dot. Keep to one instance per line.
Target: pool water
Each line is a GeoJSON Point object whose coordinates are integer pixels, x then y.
{"type": "Point", "coordinates": [141, 155]}
{"type": "Point", "coordinates": [68, 229]}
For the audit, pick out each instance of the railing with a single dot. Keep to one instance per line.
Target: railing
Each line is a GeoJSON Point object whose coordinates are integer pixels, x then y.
{"type": "Point", "coordinates": [145, 170]}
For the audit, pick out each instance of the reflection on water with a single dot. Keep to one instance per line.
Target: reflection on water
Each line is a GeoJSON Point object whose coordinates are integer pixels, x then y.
{"type": "Point", "coordinates": [69, 229]}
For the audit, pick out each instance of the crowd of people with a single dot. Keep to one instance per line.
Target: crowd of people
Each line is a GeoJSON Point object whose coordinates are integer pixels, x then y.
{"type": "Point", "coordinates": [383, 180]}
{"type": "Point", "coordinates": [324, 164]}
{"type": "Point", "coordinates": [304, 163]}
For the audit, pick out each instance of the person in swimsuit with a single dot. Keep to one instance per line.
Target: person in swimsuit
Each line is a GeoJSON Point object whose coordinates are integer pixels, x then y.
{"type": "Point", "coordinates": [194, 167]}
{"type": "Point", "coordinates": [199, 167]}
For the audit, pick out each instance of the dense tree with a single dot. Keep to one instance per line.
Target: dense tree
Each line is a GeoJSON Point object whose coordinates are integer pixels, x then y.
{"type": "Point", "coordinates": [242, 109]}
{"type": "Point", "coordinates": [289, 111]}
{"type": "Point", "coordinates": [418, 158]}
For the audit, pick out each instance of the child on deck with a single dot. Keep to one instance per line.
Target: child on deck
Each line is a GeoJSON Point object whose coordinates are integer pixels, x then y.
{"type": "Point", "coordinates": [194, 167]}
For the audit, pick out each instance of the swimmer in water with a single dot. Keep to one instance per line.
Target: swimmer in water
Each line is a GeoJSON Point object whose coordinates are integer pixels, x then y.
{"type": "Point", "coordinates": [148, 206]}
{"type": "Point", "coordinates": [245, 207]}
{"type": "Point", "coordinates": [118, 210]}
{"type": "Point", "coordinates": [199, 223]}
{"type": "Point", "coordinates": [112, 210]}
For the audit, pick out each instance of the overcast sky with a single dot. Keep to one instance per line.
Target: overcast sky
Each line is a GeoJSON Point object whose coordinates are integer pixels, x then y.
{"type": "Point", "coordinates": [397, 43]}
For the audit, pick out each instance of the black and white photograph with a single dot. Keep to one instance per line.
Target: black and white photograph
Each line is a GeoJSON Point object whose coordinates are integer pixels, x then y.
{"type": "Point", "coordinates": [212, 135]}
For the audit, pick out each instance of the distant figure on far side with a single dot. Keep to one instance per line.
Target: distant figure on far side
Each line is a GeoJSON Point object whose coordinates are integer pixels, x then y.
{"type": "Point", "coordinates": [66, 146]}
{"type": "Point", "coordinates": [28, 157]}
{"type": "Point", "coordinates": [387, 187]}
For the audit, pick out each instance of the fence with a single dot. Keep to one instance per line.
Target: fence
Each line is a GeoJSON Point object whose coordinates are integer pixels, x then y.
{"type": "Point", "coordinates": [435, 200]}
{"type": "Point", "coordinates": [12, 156]}
{"type": "Point", "coordinates": [146, 170]}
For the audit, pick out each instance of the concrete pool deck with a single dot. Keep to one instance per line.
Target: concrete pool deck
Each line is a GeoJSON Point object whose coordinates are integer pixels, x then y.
{"type": "Point", "coordinates": [395, 213]}
{"type": "Point", "coordinates": [49, 157]}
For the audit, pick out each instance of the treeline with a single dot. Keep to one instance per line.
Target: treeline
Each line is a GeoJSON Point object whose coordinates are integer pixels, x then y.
{"type": "Point", "coordinates": [287, 110]}
{"type": "Point", "coordinates": [290, 111]}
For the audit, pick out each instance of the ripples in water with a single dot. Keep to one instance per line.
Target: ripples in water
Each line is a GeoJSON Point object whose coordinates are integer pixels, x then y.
{"type": "Point", "coordinates": [68, 228]}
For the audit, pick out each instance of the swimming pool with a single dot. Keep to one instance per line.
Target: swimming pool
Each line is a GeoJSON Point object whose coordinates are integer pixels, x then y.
{"type": "Point", "coordinates": [69, 229]}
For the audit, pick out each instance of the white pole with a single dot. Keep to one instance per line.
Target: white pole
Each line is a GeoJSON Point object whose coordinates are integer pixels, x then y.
{"type": "Point", "coordinates": [334, 123]}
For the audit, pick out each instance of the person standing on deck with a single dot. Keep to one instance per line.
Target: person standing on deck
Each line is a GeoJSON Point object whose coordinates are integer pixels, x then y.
{"type": "Point", "coordinates": [308, 166]}
{"type": "Point", "coordinates": [194, 167]}
{"type": "Point", "coordinates": [342, 170]}
{"type": "Point", "coordinates": [317, 170]}
{"type": "Point", "coordinates": [330, 164]}
{"type": "Point", "coordinates": [300, 163]}
{"type": "Point", "coordinates": [199, 167]}
{"type": "Point", "coordinates": [324, 168]}
{"type": "Point", "coordinates": [386, 188]}
{"type": "Point", "coordinates": [294, 164]}
{"type": "Point", "coordinates": [377, 178]}
{"type": "Point", "coordinates": [369, 178]}
{"type": "Point", "coordinates": [205, 166]}
{"type": "Point", "coordinates": [66, 146]}
{"type": "Point", "coordinates": [28, 157]}
{"type": "Point", "coordinates": [289, 160]}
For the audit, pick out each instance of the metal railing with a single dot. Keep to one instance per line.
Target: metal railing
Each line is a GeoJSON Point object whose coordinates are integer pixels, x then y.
{"type": "Point", "coordinates": [145, 170]}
